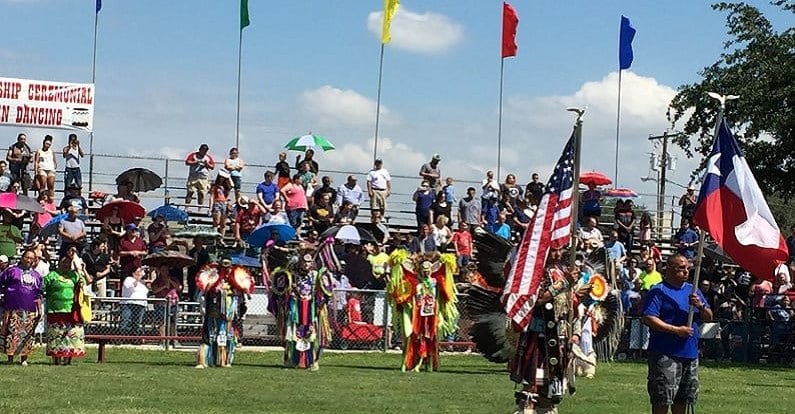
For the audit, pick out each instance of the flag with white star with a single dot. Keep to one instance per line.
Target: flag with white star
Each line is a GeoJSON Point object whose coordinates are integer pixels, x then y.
{"type": "Point", "coordinates": [550, 227]}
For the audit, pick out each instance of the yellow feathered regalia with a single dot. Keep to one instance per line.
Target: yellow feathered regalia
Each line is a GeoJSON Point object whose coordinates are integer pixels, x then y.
{"type": "Point", "coordinates": [422, 294]}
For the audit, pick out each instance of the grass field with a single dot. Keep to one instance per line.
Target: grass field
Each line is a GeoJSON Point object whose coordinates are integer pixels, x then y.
{"type": "Point", "coordinates": [136, 381]}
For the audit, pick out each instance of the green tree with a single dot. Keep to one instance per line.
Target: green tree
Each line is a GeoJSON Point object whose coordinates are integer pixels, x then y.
{"type": "Point", "coordinates": [758, 64]}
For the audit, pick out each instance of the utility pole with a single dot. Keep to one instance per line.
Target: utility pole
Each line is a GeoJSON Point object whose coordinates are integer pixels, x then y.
{"type": "Point", "coordinates": [664, 164]}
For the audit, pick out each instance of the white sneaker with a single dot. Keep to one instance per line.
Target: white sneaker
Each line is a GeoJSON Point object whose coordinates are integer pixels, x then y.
{"type": "Point", "coordinates": [199, 366]}
{"type": "Point", "coordinates": [24, 363]}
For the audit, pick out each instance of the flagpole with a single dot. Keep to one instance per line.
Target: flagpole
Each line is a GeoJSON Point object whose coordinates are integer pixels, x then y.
{"type": "Point", "coordinates": [701, 232]}
{"type": "Point", "coordinates": [575, 194]}
{"type": "Point", "coordinates": [618, 128]}
{"type": "Point", "coordinates": [93, 82]}
{"type": "Point", "coordinates": [239, 61]}
{"type": "Point", "coordinates": [378, 103]}
{"type": "Point", "coordinates": [499, 120]}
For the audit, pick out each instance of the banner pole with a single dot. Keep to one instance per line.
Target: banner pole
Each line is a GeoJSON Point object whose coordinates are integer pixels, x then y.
{"type": "Point", "coordinates": [499, 121]}
{"type": "Point", "coordinates": [618, 128]}
{"type": "Point", "coordinates": [91, 133]}
{"type": "Point", "coordinates": [378, 104]}
{"type": "Point", "coordinates": [237, 115]}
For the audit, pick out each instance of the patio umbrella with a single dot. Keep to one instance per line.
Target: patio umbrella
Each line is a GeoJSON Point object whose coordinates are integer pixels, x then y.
{"type": "Point", "coordinates": [261, 234]}
{"type": "Point", "coordinates": [197, 230]}
{"type": "Point", "coordinates": [621, 193]}
{"type": "Point", "coordinates": [304, 142]}
{"type": "Point", "coordinates": [170, 213]}
{"type": "Point", "coordinates": [379, 231]}
{"type": "Point", "coordinates": [172, 258]}
{"type": "Point", "coordinates": [141, 178]}
{"type": "Point", "coordinates": [15, 201]}
{"type": "Point", "coordinates": [349, 234]}
{"type": "Point", "coordinates": [593, 177]}
{"type": "Point", "coordinates": [51, 227]}
{"type": "Point", "coordinates": [247, 261]}
{"type": "Point", "coordinates": [128, 210]}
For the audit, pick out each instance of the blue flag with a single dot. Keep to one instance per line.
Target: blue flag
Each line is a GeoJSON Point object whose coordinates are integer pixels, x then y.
{"type": "Point", "coordinates": [99, 5]}
{"type": "Point", "coordinates": [625, 44]}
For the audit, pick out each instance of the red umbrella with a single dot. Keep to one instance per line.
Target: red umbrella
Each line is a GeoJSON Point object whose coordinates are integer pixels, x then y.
{"type": "Point", "coordinates": [128, 210]}
{"type": "Point", "coordinates": [595, 178]}
{"type": "Point", "coordinates": [621, 193]}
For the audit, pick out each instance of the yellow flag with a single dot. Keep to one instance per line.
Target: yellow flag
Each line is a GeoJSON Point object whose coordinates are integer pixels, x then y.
{"type": "Point", "coordinates": [390, 8]}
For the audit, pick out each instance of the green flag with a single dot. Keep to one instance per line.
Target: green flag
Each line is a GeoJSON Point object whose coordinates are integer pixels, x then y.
{"type": "Point", "coordinates": [244, 21]}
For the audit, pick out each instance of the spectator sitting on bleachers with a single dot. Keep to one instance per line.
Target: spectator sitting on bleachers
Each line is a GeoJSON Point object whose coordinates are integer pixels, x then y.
{"type": "Point", "coordinates": [442, 235]}
{"type": "Point", "coordinates": [276, 215]}
{"type": "Point", "coordinates": [501, 228]}
{"type": "Point", "coordinates": [590, 233]}
{"type": "Point", "coordinates": [72, 231]}
{"type": "Point", "coordinates": [131, 250]}
{"type": "Point", "coordinates": [345, 214]}
{"type": "Point", "coordinates": [423, 243]}
{"type": "Point", "coordinates": [73, 198]}
{"type": "Point", "coordinates": [248, 217]}
{"type": "Point", "coordinates": [158, 234]}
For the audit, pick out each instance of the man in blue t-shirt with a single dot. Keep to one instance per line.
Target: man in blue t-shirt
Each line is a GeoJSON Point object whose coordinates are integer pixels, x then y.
{"type": "Point", "coordinates": [267, 191]}
{"type": "Point", "coordinates": [686, 239]}
{"type": "Point", "coordinates": [673, 346]}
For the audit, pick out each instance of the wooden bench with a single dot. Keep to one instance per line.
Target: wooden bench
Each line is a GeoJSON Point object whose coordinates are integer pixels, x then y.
{"type": "Point", "coordinates": [103, 340]}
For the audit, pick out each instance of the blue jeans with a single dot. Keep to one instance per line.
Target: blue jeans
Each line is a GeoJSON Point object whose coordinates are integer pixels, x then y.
{"type": "Point", "coordinates": [132, 316]}
{"type": "Point", "coordinates": [72, 175]}
{"type": "Point", "coordinates": [296, 217]}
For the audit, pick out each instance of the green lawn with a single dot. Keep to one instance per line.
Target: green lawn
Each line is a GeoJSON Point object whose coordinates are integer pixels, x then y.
{"type": "Point", "coordinates": [136, 381]}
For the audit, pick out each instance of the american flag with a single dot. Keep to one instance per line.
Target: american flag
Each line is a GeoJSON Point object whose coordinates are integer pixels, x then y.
{"type": "Point", "coordinates": [550, 227]}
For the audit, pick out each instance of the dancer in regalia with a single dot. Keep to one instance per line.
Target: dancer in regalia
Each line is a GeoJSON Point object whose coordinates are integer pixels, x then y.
{"type": "Point", "coordinates": [299, 299]}
{"type": "Point", "coordinates": [423, 296]}
{"type": "Point", "coordinates": [225, 288]}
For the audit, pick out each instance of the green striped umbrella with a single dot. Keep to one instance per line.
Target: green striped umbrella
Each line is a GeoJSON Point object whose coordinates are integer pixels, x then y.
{"type": "Point", "coordinates": [304, 142]}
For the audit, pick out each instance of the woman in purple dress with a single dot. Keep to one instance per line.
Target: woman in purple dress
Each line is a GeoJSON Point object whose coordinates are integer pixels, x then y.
{"type": "Point", "coordinates": [21, 288]}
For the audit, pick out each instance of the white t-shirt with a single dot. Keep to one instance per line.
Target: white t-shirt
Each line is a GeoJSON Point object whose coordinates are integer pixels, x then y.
{"type": "Point", "coordinates": [46, 160]}
{"type": "Point", "coordinates": [493, 185]}
{"type": "Point", "coordinates": [441, 235]}
{"type": "Point", "coordinates": [378, 179]}
{"type": "Point", "coordinates": [134, 294]}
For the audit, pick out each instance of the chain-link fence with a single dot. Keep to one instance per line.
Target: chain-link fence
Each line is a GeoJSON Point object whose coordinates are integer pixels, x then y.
{"type": "Point", "coordinates": [363, 320]}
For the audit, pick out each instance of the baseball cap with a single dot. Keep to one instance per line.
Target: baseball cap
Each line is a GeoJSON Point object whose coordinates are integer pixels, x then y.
{"type": "Point", "coordinates": [3, 258]}
{"type": "Point", "coordinates": [436, 157]}
{"type": "Point", "coordinates": [690, 187]}
{"type": "Point", "coordinates": [130, 226]}
{"type": "Point", "coordinates": [243, 202]}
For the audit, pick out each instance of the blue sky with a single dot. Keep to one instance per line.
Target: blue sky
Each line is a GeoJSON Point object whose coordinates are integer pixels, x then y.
{"type": "Point", "coordinates": [167, 72]}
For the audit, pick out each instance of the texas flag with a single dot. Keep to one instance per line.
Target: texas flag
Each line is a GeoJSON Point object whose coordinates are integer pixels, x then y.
{"type": "Point", "coordinates": [732, 209]}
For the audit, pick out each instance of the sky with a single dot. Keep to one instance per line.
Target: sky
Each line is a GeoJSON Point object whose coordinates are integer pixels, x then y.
{"type": "Point", "coordinates": [166, 79]}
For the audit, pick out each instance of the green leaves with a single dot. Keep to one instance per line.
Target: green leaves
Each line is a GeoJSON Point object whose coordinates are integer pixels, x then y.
{"type": "Point", "coordinates": [759, 65]}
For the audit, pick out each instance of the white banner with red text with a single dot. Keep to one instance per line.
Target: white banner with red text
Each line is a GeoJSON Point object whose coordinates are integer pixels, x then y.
{"type": "Point", "coordinates": [46, 104]}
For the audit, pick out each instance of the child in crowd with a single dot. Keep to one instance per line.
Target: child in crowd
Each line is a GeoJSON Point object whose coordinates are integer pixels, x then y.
{"type": "Point", "coordinates": [449, 190]}
{"type": "Point", "coordinates": [462, 241]}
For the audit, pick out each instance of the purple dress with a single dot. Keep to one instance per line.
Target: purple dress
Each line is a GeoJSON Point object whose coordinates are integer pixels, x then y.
{"type": "Point", "coordinates": [21, 288]}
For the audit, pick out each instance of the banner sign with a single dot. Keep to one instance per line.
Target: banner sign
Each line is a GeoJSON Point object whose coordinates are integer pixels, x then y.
{"type": "Point", "coordinates": [45, 104]}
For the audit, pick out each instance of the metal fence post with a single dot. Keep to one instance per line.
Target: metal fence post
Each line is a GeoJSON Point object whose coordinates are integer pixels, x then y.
{"type": "Point", "coordinates": [166, 196]}
{"type": "Point", "coordinates": [387, 333]}
{"type": "Point", "coordinates": [167, 323]}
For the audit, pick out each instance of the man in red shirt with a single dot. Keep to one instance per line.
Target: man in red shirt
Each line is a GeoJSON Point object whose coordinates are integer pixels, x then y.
{"type": "Point", "coordinates": [131, 249]}
{"type": "Point", "coordinates": [462, 241]}
{"type": "Point", "coordinates": [247, 219]}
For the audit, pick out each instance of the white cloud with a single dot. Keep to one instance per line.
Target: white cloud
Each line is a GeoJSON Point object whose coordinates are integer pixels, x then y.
{"type": "Point", "coordinates": [544, 125]}
{"type": "Point", "coordinates": [331, 106]}
{"type": "Point", "coordinates": [423, 33]}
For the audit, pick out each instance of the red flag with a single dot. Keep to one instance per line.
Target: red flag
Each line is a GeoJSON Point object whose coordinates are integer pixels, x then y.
{"type": "Point", "coordinates": [550, 227]}
{"type": "Point", "coordinates": [733, 210]}
{"type": "Point", "coordinates": [509, 22]}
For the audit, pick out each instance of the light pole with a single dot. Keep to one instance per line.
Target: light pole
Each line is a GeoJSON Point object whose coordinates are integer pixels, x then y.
{"type": "Point", "coordinates": [662, 164]}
